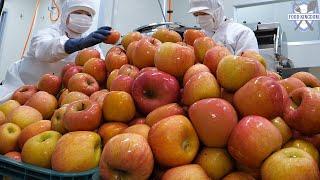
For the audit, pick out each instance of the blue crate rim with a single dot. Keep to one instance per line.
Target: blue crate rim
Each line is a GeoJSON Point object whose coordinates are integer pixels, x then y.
{"type": "Point", "coordinates": [29, 167]}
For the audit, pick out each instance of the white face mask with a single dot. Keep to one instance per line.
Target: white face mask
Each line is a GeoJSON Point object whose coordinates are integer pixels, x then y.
{"type": "Point", "coordinates": [206, 22]}
{"type": "Point", "coordinates": [79, 23]}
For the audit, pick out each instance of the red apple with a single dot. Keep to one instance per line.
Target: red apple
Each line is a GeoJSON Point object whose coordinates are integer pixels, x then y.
{"type": "Point", "coordinates": [153, 89]}
{"type": "Point", "coordinates": [111, 77]}
{"type": "Point", "coordinates": [14, 155]}
{"type": "Point", "coordinates": [195, 69]}
{"type": "Point", "coordinates": [190, 171]}
{"type": "Point", "coordinates": [163, 112]}
{"type": "Point", "coordinates": [214, 56]}
{"type": "Point", "coordinates": [130, 50]}
{"type": "Point", "coordinates": [144, 52]}
{"type": "Point", "coordinates": [129, 70]}
{"type": "Point", "coordinates": [84, 55]}
{"type": "Point", "coordinates": [50, 83]}
{"type": "Point", "coordinates": [56, 120]}
{"type": "Point", "coordinates": [66, 68]}
{"type": "Point", "coordinates": [96, 68]}
{"type": "Point", "coordinates": [23, 94]}
{"type": "Point", "coordinates": [174, 59]}
{"type": "Point", "coordinates": [69, 73]}
{"type": "Point", "coordinates": [190, 35]}
{"type": "Point", "coordinates": [126, 156]}
{"type": "Point", "coordinates": [122, 83]}
{"type": "Point", "coordinates": [111, 129]}
{"type": "Point", "coordinates": [201, 46]}
{"type": "Point", "coordinates": [99, 96]}
{"type": "Point", "coordinates": [262, 96]}
{"type": "Point", "coordinates": [304, 114]}
{"type": "Point", "coordinates": [130, 37]}
{"type": "Point", "coordinates": [72, 97]}
{"type": "Point", "coordinates": [259, 139]}
{"type": "Point", "coordinates": [137, 121]}
{"type": "Point", "coordinates": [63, 93]}
{"type": "Point", "coordinates": [291, 84]}
{"type": "Point", "coordinates": [84, 115]}
{"type": "Point", "coordinates": [115, 59]}
{"type": "Point", "coordinates": [214, 120]}
{"type": "Point", "coordinates": [166, 35]}
{"type": "Point", "coordinates": [141, 129]}
{"type": "Point", "coordinates": [284, 129]}
{"type": "Point", "coordinates": [308, 79]}
{"type": "Point", "coordinates": [113, 38]}
{"type": "Point", "coordinates": [44, 102]}
{"type": "Point", "coordinates": [84, 83]}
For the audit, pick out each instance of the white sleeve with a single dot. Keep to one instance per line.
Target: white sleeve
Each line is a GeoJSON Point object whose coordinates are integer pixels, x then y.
{"type": "Point", "coordinates": [246, 41]}
{"type": "Point", "coordinates": [47, 47]}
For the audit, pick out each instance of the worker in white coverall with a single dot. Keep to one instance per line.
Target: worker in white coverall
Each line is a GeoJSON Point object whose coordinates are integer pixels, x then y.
{"type": "Point", "coordinates": [210, 16]}
{"type": "Point", "coordinates": [56, 46]}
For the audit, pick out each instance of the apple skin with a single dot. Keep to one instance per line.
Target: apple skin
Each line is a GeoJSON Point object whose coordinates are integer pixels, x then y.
{"type": "Point", "coordinates": [284, 129]}
{"type": "Point", "coordinates": [77, 152]}
{"type": "Point", "coordinates": [238, 176]}
{"type": "Point", "coordinates": [99, 96]}
{"type": "Point", "coordinates": [44, 102]}
{"type": "Point", "coordinates": [166, 35]}
{"type": "Point", "coordinates": [32, 130]}
{"type": "Point", "coordinates": [200, 86]}
{"type": "Point", "coordinates": [50, 83]}
{"type": "Point", "coordinates": [173, 141]}
{"type": "Point", "coordinates": [111, 129]}
{"type": "Point", "coordinates": [137, 121]}
{"type": "Point", "coordinates": [14, 155]}
{"type": "Point", "coordinates": [38, 149]}
{"type": "Point", "coordinates": [304, 117]}
{"type": "Point", "coordinates": [122, 83]}
{"type": "Point", "coordinates": [308, 79]}
{"type": "Point", "coordinates": [195, 69]}
{"type": "Point", "coordinates": [230, 72]}
{"type": "Point", "coordinates": [190, 171]}
{"type": "Point", "coordinates": [163, 112]}
{"type": "Point", "coordinates": [8, 106]}
{"type": "Point", "coordinates": [118, 106]}
{"type": "Point", "coordinates": [214, 56]}
{"type": "Point", "coordinates": [84, 55]}
{"type": "Point", "coordinates": [84, 115]}
{"type": "Point", "coordinates": [66, 68]}
{"type": "Point", "coordinates": [152, 89]}
{"type": "Point", "coordinates": [2, 118]}
{"type": "Point", "coordinates": [24, 116]}
{"type": "Point", "coordinates": [214, 120]}
{"type": "Point", "coordinates": [56, 120]}
{"type": "Point", "coordinates": [305, 146]}
{"type": "Point", "coordinates": [113, 38]}
{"type": "Point", "coordinates": [129, 38]}
{"type": "Point", "coordinates": [144, 52]}
{"type": "Point", "coordinates": [261, 139]}
{"type": "Point", "coordinates": [141, 129]}
{"type": "Point", "coordinates": [274, 75]}
{"type": "Point", "coordinates": [291, 84]}
{"type": "Point", "coordinates": [254, 55]}
{"type": "Point", "coordinates": [190, 35]}
{"type": "Point", "coordinates": [84, 83]}
{"type": "Point", "coordinates": [116, 58]}
{"type": "Point", "coordinates": [23, 94]}
{"type": "Point", "coordinates": [9, 134]}
{"type": "Point", "coordinates": [261, 92]}
{"type": "Point", "coordinates": [69, 73]}
{"type": "Point", "coordinates": [201, 46]}
{"type": "Point", "coordinates": [174, 59]}
{"type": "Point", "coordinates": [129, 70]}
{"type": "Point", "coordinates": [126, 156]}
{"type": "Point", "coordinates": [72, 97]}
{"type": "Point", "coordinates": [290, 163]}
{"type": "Point", "coordinates": [216, 162]}
{"type": "Point", "coordinates": [130, 50]}
{"type": "Point", "coordinates": [96, 68]}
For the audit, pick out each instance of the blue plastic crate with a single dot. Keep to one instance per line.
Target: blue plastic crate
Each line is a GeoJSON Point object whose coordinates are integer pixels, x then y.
{"type": "Point", "coordinates": [18, 171]}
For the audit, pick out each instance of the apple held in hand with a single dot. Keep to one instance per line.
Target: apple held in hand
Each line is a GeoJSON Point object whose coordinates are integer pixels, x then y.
{"type": "Point", "coordinates": [96, 68]}
{"type": "Point", "coordinates": [86, 54]}
{"type": "Point", "coordinates": [113, 38]}
{"type": "Point", "coordinates": [23, 94]}
{"type": "Point", "coordinates": [195, 69]}
{"type": "Point", "coordinates": [288, 164]}
{"type": "Point", "coordinates": [163, 112]}
{"type": "Point", "coordinates": [190, 35]}
{"type": "Point", "coordinates": [303, 112]}
{"type": "Point", "coordinates": [38, 149]}
{"type": "Point", "coordinates": [50, 84]}
{"type": "Point", "coordinates": [262, 96]}
{"type": "Point", "coordinates": [126, 156]}
{"type": "Point", "coordinates": [258, 139]}
{"type": "Point", "coordinates": [129, 38]}
{"type": "Point", "coordinates": [24, 116]}
{"type": "Point", "coordinates": [84, 83]}
{"type": "Point", "coordinates": [202, 46]}
{"type": "Point", "coordinates": [214, 120]}
{"type": "Point", "coordinates": [84, 115]}
{"type": "Point", "coordinates": [213, 57]}
{"type": "Point", "coordinates": [174, 59]}
{"type": "Point", "coordinates": [144, 52]}
{"type": "Point", "coordinates": [77, 152]}
{"type": "Point", "coordinates": [166, 35]}
{"type": "Point", "coordinates": [115, 58]}
{"type": "Point", "coordinates": [173, 141]}
{"type": "Point", "coordinates": [9, 134]}
{"type": "Point", "coordinates": [190, 171]}
{"type": "Point", "coordinates": [153, 89]}
{"type": "Point", "coordinates": [44, 102]}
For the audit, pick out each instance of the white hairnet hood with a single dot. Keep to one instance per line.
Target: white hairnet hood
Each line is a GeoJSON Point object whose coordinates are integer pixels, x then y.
{"type": "Point", "coordinates": [75, 5]}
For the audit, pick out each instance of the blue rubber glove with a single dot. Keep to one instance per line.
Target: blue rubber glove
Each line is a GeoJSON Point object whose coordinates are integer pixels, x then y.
{"type": "Point", "coordinates": [96, 37]}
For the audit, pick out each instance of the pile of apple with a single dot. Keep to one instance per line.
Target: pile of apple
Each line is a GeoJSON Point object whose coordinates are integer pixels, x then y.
{"type": "Point", "coordinates": [167, 107]}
